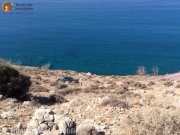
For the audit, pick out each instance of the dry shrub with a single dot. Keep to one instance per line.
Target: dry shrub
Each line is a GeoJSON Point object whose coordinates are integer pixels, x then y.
{"type": "Point", "coordinates": [151, 121]}
{"type": "Point", "coordinates": [38, 77]}
{"type": "Point", "coordinates": [131, 95]}
{"type": "Point", "coordinates": [149, 98]}
{"type": "Point", "coordinates": [121, 90]}
{"type": "Point", "coordinates": [163, 79]}
{"type": "Point", "coordinates": [125, 93]}
{"type": "Point", "coordinates": [178, 86]}
{"type": "Point", "coordinates": [91, 89]}
{"type": "Point", "coordinates": [57, 98]}
{"type": "Point", "coordinates": [53, 83]}
{"type": "Point", "coordinates": [168, 83]}
{"type": "Point", "coordinates": [112, 86]}
{"type": "Point", "coordinates": [61, 86]}
{"type": "Point", "coordinates": [68, 91]}
{"type": "Point", "coordinates": [39, 89]}
{"type": "Point", "coordinates": [151, 83]}
{"type": "Point", "coordinates": [58, 84]}
{"type": "Point", "coordinates": [139, 85]}
{"type": "Point", "coordinates": [171, 92]}
{"type": "Point", "coordinates": [115, 101]}
{"type": "Point", "coordinates": [128, 83]}
{"type": "Point", "coordinates": [135, 84]}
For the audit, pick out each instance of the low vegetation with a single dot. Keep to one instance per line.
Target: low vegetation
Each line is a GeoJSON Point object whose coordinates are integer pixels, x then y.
{"type": "Point", "coordinates": [178, 86]}
{"type": "Point", "coordinates": [115, 101]}
{"type": "Point", "coordinates": [12, 83]}
{"type": "Point", "coordinates": [57, 98]}
{"type": "Point", "coordinates": [168, 83]}
{"type": "Point", "coordinates": [151, 121]}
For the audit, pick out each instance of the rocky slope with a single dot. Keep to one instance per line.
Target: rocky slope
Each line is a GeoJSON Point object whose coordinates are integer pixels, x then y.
{"type": "Point", "coordinates": [89, 104]}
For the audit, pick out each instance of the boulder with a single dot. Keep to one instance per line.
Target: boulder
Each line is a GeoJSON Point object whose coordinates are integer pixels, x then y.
{"type": "Point", "coordinates": [66, 125]}
{"type": "Point", "coordinates": [9, 115]}
{"type": "Point", "coordinates": [45, 121]}
{"type": "Point", "coordinates": [87, 129]}
{"type": "Point", "coordinates": [68, 79]}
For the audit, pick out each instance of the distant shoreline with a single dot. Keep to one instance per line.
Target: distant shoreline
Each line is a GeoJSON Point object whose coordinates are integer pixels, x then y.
{"type": "Point", "coordinates": [171, 76]}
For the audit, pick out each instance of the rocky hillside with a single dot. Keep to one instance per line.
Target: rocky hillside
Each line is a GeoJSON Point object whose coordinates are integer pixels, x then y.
{"type": "Point", "coordinates": [71, 103]}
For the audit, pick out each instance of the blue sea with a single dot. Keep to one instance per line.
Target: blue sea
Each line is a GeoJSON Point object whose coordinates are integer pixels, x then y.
{"type": "Point", "coordinates": [105, 37]}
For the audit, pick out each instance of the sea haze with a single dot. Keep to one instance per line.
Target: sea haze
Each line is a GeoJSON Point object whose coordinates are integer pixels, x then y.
{"type": "Point", "coordinates": [108, 37]}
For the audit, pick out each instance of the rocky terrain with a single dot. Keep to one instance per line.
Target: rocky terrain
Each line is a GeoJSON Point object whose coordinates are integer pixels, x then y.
{"type": "Point", "coordinates": [87, 104]}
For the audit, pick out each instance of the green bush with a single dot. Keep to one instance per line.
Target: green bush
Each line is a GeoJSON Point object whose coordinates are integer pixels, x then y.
{"type": "Point", "coordinates": [12, 83]}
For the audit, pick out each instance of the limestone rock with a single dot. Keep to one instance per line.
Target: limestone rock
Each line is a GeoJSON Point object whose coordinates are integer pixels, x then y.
{"type": "Point", "coordinates": [9, 115]}
{"type": "Point", "coordinates": [87, 129]}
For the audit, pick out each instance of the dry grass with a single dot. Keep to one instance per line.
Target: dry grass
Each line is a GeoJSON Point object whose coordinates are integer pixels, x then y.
{"type": "Point", "coordinates": [151, 121]}
{"type": "Point", "coordinates": [135, 84]}
{"type": "Point", "coordinates": [39, 89]}
{"type": "Point", "coordinates": [91, 89]}
{"type": "Point", "coordinates": [68, 91]}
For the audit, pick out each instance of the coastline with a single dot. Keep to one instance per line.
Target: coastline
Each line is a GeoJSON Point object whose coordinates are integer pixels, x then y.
{"type": "Point", "coordinates": [101, 103]}
{"type": "Point", "coordinates": [171, 76]}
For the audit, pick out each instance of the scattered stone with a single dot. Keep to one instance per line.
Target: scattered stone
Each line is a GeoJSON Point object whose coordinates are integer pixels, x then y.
{"type": "Point", "coordinates": [1, 97]}
{"type": "Point", "coordinates": [136, 102]}
{"type": "Point", "coordinates": [45, 120]}
{"type": "Point", "coordinates": [9, 115]}
{"type": "Point", "coordinates": [89, 74]}
{"type": "Point", "coordinates": [27, 103]}
{"type": "Point", "coordinates": [40, 121]}
{"type": "Point", "coordinates": [55, 127]}
{"type": "Point", "coordinates": [19, 126]}
{"type": "Point", "coordinates": [87, 129]}
{"type": "Point", "coordinates": [5, 129]}
{"type": "Point", "coordinates": [67, 126]}
{"type": "Point", "coordinates": [34, 100]}
{"type": "Point", "coordinates": [68, 79]}
{"type": "Point", "coordinates": [11, 101]}
{"type": "Point", "coordinates": [43, 114]}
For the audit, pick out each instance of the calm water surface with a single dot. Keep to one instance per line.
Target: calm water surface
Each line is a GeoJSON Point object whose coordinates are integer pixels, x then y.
{"type": "Point", "coordinates": [111, 37]}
